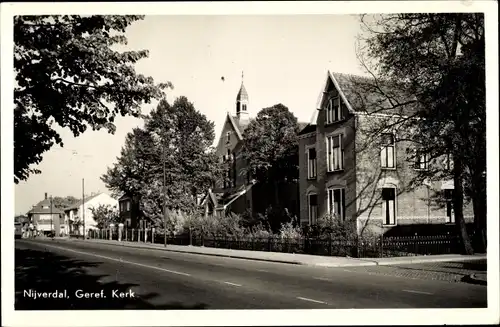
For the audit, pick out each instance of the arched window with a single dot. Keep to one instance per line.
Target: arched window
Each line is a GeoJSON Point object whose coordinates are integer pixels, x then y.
{"type": "Point", "coordinates": [244, 107]}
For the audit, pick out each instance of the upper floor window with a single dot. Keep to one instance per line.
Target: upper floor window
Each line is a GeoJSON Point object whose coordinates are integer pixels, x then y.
{"type": "Point", "coordinates": [228, 137]}
{"type": "Point", "coordinates": [421, 161]}
{"type": "Point", "coordinates": [333, 110]}
{"type": "Point", "coordinates": [387, 151]}
{"type": "Point", "coordinates": [336, 202]}
{"type": "Point", "coordinates": [128, 206]}
{"type": "Point", "coordinates": [311, 163]}
{"type": "Point", "coordinates": [335, 153]}
{"type": "Point", "coordinates": [244, 107]}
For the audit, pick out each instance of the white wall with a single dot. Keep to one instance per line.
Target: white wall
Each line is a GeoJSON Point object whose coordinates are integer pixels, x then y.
{"type": "Point", "coordinates": [101, 199]}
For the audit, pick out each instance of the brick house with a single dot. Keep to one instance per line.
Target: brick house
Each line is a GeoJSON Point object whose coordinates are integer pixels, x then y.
{"type": "Point", "coordinates": [347, 172]}
{"type": "Point", "coordinates": [129, 210]}
{"type": "Point", "coordinates": [238, 192]}
{"type": "Point", "coordinates": [46, 218]}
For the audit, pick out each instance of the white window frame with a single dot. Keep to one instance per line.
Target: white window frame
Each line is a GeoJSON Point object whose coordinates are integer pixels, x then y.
{"type": "Point", "coordinates": [312, 220]}
{"type": "Point", "coordinates": [312, 171]}
{"type": "Point", "coordinates": [449, 219]}
{"type": "Point", "coordinates": [448, 162]}
{"type": "Point", "coordinates": [333, 115]}
{"type": "Point", "coordinates": [384, 148]}
{"type": "Point", "coordinates": [384, 209]}
{"type": "Point", "coordinates": [330, 153]}
{"type": "Point", "coordinates": [421, 164]}
{"type": "Point", "coordinates": [342, 199]}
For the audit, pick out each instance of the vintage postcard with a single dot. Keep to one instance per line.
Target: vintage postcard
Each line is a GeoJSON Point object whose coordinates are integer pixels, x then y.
{"type": "Point", "coordinates": [249, 163]}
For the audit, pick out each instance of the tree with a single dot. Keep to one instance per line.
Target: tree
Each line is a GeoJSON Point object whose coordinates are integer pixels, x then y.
{"type": "Point", "coordinates": [439, 59]}
{"type": "Point", "coordinates": [270, 147]}
{"type": "Point", "coordinates": [178, 138]}
{"type": "Point", "coordinates": [68, 73]}
{"type": "Point", "coordinates": [64, 202]}
{"type": "Point", "coordinates": [104, 215]}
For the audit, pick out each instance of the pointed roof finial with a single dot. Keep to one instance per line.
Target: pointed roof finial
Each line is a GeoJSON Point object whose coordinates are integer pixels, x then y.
{"type": "Point", "coordinates": [242, 75]}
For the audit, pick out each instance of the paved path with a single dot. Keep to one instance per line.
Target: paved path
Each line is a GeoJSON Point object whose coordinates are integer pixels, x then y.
{"type": "Point", "coordinates": [173, 280]}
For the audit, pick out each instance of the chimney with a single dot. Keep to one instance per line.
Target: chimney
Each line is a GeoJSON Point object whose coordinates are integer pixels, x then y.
{"type": "Point", "coordinates": [45, 195]}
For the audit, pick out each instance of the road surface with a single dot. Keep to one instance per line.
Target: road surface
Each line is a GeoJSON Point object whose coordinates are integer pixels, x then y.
{"type": "Point", "coordinates": [99, 276]}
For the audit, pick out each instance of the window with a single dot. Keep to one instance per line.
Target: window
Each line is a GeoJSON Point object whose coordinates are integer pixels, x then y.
{"type": "Point", "coordinates": [335, 153]}
{"type": "Point", "coordinates": [421, 161]}
{"type": "Point", "coordinates": [244, 107]}
{"type": "Point", "coordinates": [312, 204]}
{"type": "Point", "coordinates": [333, 110]}
{"type": "Point", "coordinates": [228, 137]}
{"type": "Point", "coordinates": [336, 202]}
{"type": "Point", "coordinates": [387, 158]}
{"type": "Point", "coordinates": [448, 162]}
{"type": "Point", "coordinates": [450, 215]}
{"type": "Point", "coordinates": [311, 163]}
{"type": "Point", "coordinates": [389, 206]}
{"type": "Point", "coordinates": [128, 205]}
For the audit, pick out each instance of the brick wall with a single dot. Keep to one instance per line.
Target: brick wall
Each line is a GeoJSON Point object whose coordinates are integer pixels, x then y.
{"type": "Point", "coordinates": [414, 205]}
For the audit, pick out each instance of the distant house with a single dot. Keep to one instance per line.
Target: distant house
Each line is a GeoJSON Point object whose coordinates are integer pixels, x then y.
{"type": "Point", "coordinates": [73, 215]}
{"type": "Point", "coordinates": [238, 191]}
{"type": "Point", "coordinates": [46, 218]}
{"type": "Point", "coordinates": [129, 210]}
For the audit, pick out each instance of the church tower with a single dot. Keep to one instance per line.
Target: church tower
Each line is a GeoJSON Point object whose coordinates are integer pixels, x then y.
{"type": "Point", "coordinates": [242, 103]}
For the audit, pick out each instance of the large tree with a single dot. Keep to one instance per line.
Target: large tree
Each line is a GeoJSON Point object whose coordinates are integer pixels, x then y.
{"type": "Point", "coordinates": [175, 137]}
{"type": "Point", "coordinates": [270, 147]}
{"type": "Point", "coordinates": [69, 73]}
{"type": "Point", "coordinates": [439, 60]}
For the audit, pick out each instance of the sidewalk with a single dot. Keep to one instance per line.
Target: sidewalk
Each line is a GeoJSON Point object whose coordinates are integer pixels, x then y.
{"type": "Point", "coordinates": [299, 259]}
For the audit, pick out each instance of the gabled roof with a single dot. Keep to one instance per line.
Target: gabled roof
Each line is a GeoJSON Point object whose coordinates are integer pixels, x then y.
{"type": "Point", "coordinates": [370, 95]}
{"type": "Point", "coordinates": [234, 121]}
{"type": "Point", "coordinates": [43, 207]}
{"type": "Point", "coordinates": [79, 203]}
{"type": "Point", "coordinates": [309, 128]}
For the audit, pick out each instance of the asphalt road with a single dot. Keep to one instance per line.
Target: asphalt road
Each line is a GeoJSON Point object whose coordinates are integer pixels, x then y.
{"type": "Point", "coordinates": [156, 279]}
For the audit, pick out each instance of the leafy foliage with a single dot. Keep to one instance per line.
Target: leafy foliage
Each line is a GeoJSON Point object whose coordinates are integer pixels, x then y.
{"type": "Point", "coordinates": [439, 59]}
{"type": "Point", "coordinates": [64, 202]}
{"type": "Point", "coordinates": [270, 145]}
{"type": "Point", "coordinates": [68, 73]}
{"type": "Point", "coordinates": [104, 215]}
{"type": "Point", "coordinates": [178, 138]}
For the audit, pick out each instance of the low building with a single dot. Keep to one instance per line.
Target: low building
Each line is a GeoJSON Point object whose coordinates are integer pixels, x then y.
{"type": "Point", "coordinates": [46, 218]}
{"type": "Point", "coordinates": [129, 210]}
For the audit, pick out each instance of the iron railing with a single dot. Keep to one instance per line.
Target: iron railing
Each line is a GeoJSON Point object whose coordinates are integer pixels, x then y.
{"type": "Point", "coordinates": [325, 246]}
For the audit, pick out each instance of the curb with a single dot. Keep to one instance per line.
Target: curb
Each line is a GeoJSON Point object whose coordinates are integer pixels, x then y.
{"type": "Point", "coordinates": [472, 279]}
{"type": "Point", "coordinates": [430, 260]}
{"type": "Point", "coordinates": [201, 253]}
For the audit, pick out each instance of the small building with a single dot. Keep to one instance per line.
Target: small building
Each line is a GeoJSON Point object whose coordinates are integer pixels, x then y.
{"type": "Point", "coordinates": [46, 218]}
{"type": "Point", "coordinates": [74, 214]}
{"type": "Point", "coordinates": [129, 210]}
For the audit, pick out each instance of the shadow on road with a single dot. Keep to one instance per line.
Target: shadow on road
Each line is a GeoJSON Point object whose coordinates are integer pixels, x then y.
{"type": "Point", "coordinates": [43, 271]}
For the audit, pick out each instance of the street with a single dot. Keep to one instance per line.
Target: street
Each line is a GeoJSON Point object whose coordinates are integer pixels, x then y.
{"type": "Point", "coordinates": [100, 276]}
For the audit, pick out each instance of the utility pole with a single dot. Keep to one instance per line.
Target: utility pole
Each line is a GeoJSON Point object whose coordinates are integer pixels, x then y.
{"type": "Point", "coordinates": [83, 206]}
{"type": "Point", "coordinates": [51, 218]}
{"type": "Point", "coordinates": [164, 196]}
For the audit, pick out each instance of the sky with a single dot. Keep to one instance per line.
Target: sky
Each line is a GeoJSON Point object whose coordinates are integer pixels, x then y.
{"type": "Point", "coordinates": [285, 60]}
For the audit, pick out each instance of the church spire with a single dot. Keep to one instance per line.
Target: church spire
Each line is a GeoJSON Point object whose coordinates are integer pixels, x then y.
{"type": "Point", "coordinates": [242, 101]}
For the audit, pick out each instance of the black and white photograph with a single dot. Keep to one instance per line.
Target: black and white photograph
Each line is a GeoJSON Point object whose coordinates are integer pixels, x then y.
{"type": "Point", "coordinates": [242, 163]}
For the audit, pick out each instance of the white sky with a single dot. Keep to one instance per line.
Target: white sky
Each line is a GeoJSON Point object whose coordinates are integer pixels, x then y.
{"type": "Point", "coordinates": [284, 59]}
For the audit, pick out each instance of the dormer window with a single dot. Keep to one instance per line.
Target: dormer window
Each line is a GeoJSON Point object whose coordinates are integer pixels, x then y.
{"type": "Point", "coordinates": [333, 110]}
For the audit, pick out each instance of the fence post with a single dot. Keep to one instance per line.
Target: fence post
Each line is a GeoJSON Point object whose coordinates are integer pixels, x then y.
{"type": "Point", "coordinates": [330, 245]}
{"type": "Point", "coordinates": [381, 240]}
{"type": "Point", "coordinates": [415, 244]}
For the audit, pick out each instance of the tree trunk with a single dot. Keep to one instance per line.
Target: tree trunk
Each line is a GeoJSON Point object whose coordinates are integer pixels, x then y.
{"type": "Point", "coordinates": [458, 202]}
{"type": "Point", "coordinates": [479, 206]}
